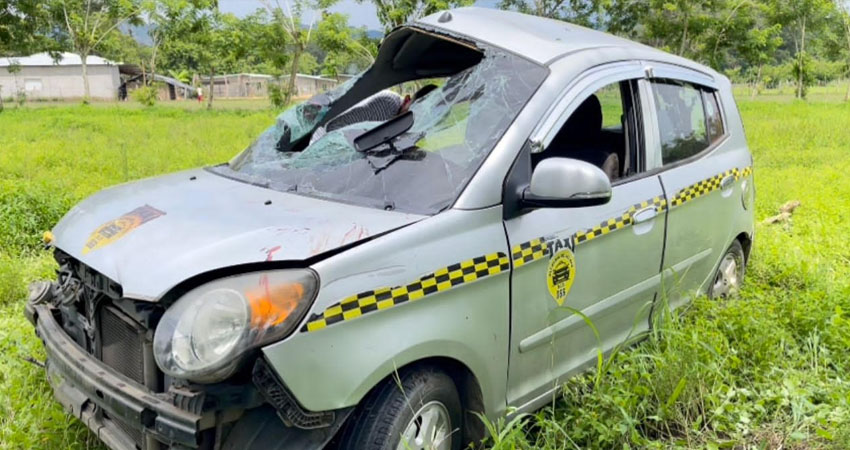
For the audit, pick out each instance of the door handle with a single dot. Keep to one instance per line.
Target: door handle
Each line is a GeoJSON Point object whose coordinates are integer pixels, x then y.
{"type": "Point", "coordinates": [726, 183]}
{"type": "Point", "coordinates": [644, 214]}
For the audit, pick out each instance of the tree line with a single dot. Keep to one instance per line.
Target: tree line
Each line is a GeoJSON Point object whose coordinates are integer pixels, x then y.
{"type": "Point", "coordinates": [759, 42]}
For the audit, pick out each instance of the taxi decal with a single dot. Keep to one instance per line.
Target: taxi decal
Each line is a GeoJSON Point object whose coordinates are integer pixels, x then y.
{"type": "Point", "coordinates": [386, 297]}
{"type": "Point", "coordinates": [115, 229]}
{"type": "Point", "coordinates": [560, 275]}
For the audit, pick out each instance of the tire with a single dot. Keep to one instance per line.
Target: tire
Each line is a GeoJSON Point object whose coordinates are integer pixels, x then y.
{"type": "Point", "coordinates": [727, 280]}
{"type": "Point", "coordinates": [388, 411]}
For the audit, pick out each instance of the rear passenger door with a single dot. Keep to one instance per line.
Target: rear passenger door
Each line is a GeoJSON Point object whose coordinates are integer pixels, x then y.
{"type": "Point", "coordinates": [702, 177]}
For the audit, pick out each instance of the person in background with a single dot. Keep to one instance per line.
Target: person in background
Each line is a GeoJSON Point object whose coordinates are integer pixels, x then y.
{"type": "Point", "coordinates": [200, 94]}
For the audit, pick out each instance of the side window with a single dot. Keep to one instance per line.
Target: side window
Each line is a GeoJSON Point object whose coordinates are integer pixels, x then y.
{"type": "Point", "coordinates": [715, 120]}
{"type": "Point", "coordinates": [603, 130]}
{"type": "Point", "coordinates": [681, 120]}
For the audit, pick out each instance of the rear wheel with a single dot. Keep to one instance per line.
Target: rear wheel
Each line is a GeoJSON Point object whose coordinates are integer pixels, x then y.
{"type": "Point", "coordinates": [419, 410]}
{"type": "Point", "coordinates": [730, 273]}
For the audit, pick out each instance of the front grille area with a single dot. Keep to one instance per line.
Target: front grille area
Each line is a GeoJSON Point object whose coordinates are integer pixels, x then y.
{"type": "Point", "coordinates": [134, 434]}
{"type": "Point", "coordinates": [122, 344]}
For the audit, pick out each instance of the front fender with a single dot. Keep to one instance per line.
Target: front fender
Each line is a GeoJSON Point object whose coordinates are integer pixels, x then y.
{"type": "Point", "coordinates": [336, 365]}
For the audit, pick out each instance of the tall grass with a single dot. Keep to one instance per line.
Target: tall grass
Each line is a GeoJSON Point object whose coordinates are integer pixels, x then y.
{"type": "Point", "coordinates": [768, 370]}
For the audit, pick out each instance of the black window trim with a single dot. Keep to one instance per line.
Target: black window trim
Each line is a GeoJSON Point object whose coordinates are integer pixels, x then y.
{"type": "Point", "coordinates": [712, 146]}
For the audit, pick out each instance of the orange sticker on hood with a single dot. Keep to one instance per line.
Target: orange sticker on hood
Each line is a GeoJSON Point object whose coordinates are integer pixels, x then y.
{"type": "Point", "coordinates": [116, 229]}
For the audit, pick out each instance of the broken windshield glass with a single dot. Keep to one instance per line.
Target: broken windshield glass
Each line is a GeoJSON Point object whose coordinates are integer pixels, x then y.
{"type": "Point", "coordinates": [422, 170]}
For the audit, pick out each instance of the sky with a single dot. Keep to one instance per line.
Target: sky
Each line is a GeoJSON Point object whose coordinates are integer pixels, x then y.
{"type": "Point", "coordinates": [359, 14]}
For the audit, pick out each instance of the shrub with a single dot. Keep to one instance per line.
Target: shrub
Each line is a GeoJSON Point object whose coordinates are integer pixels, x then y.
{"type": "Point", "coordinates": [146, 95]}
{"type": "Point", "coordinates": [277, 95]}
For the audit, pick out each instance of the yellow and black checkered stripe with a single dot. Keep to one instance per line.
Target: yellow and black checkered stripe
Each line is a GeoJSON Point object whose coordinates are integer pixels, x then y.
{"type": "Point", "coordinates": [708, 185]}
{"type": "Point", "coordinates": [440, 280]}
{"type": "Point", "coordinates": [529, 251]}
{"type": "Point", "coordinates": [536, 248]}
{"type": "Point", "coordinates": [619, 222]}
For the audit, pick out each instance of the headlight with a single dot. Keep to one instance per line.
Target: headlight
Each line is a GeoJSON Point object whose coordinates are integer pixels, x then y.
{"type": "Point", "coordinates": [203, 334]}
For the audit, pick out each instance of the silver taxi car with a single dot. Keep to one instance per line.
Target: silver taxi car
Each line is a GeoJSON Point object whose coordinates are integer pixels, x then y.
{"type": "Point", "coordinates": [373, 276]}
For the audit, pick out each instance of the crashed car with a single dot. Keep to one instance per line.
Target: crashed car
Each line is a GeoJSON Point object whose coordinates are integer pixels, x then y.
{"type": "Point", "coordinates": [386, 280]}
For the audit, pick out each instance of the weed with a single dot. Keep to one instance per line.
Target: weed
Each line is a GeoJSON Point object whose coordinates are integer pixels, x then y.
{"type": "Point", "coordinates": [765, 371]}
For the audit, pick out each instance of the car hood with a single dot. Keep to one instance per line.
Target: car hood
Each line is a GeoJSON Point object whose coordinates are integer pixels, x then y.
{"type": "Point", "coordinates": [150, 235]}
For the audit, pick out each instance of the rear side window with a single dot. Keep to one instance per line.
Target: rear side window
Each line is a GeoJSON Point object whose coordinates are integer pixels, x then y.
{"type": "Point", "coordinates": [682, 122]}
{"type": "Point", "coordinates": [712, 114]}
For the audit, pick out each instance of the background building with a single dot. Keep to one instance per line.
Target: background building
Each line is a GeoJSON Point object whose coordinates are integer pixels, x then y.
{"type": "Point", "coordinates": [247, 85]}
{"type": "Point", "coordinates": [42, 77]}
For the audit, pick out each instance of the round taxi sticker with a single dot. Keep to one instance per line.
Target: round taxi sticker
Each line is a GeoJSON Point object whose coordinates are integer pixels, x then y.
{"type": "Point", "coordinates": [560, 275]}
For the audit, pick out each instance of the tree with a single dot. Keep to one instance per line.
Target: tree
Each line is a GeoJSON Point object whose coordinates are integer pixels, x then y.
{"type": "Point", "coordinates": [757, 42]}
{"type": "Point", "coordinates": [344, 46]}
{"type": "Point", "coordinates": [392, 13]}
{"type": "Point", "coordinates": [89, 22]}
{"type": "Point", "coordinates": [24, 27]}
{"type": "Point", "coordinates": [800, 17]}
{"type": "Point", "coordinates": [290, 18]}
{"type": "Point", "coordinates": [844, 16]}
{"type": "Point", "coordinates": [589, 13]}
{"type": "Point", "coordinates": [203, 39]}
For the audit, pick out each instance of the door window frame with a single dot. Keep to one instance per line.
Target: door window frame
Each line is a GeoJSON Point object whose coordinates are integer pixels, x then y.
{"type": "Point", "coordinates": [582, 87]}
{"type": "Point", "coordinates": [701, 81]}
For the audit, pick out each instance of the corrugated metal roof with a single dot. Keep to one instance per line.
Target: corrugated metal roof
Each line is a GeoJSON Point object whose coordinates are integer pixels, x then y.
{"type": "Point", "coordinates": [44, 59]}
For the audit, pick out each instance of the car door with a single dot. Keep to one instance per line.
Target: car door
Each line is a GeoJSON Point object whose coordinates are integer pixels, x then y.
{"type": "Point", "coordinates": [584, 278]}
{"type": "Point", "coordinates": [701, 174]}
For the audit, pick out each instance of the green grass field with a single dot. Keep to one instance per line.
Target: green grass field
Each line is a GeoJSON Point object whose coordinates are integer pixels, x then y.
{"type": "Point", "coordinates": [769, 370]}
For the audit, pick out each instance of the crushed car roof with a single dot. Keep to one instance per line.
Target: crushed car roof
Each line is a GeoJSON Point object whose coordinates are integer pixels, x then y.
{"type": "Point", "coordinates": [540, 39]}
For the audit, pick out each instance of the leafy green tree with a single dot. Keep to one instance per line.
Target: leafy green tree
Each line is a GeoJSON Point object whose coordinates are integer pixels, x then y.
{"type": "Point", "coordinates": [291, 19]}
{"type": "Point", "coordinates": [25, 27]}
{"type": "Point", "coordinates": [344, 46]}
{"type": "Point", "coordinates": [392, 13]}
{"type": "Point", "coordinates": [757, 42]}
{"type": "Point", "coordinates": [705, 30]}
{"type": "Point", "coordinates": [88, 23]}
{"type": "Point", "coordinates": [269, 49]}
{"type": "Point", "coordinates": [843, 8]}
{"type": "Point", "coordinates": [800, 18]}
{"type": "Point", "coordinates": [204, 40]}
{"type": "Point", "coordinates": [161, 16]}
{"type": "Point", "coordinates": [589, 13]}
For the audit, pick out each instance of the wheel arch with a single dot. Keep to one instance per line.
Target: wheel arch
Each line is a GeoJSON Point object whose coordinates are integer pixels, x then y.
{"type": "Point", "coordinates": [746, 243]}
{"type": "Point", "coordinates": [467, 384]}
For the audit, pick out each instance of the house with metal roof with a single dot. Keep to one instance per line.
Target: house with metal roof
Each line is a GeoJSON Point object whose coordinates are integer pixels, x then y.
{"type": "Point", "coordinates": [41, 76]}
{"type": "Point", "coordinates": [254, 85]}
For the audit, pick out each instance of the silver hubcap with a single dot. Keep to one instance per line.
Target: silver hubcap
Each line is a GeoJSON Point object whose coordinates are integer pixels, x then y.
{"type": "Point", "coordinates": [728, 280]}
{"type": "Point", "coordinates": [430, 429]}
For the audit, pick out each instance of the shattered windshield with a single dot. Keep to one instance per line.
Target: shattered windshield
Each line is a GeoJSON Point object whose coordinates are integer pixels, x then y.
{"type": "Point", "coordinates": [421, 153]}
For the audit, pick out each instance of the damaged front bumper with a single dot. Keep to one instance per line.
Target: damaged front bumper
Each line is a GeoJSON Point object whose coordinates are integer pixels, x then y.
{"type": "Point", "coordinates": [110, 404]}
{"type": "Point", "coordinates": [87, 387]}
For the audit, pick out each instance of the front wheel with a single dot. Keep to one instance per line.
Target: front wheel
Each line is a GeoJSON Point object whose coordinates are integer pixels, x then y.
{"type": "Point", "coordinates": [419, 410]}
{"type": "Point", "coordinates": [730, 273]}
